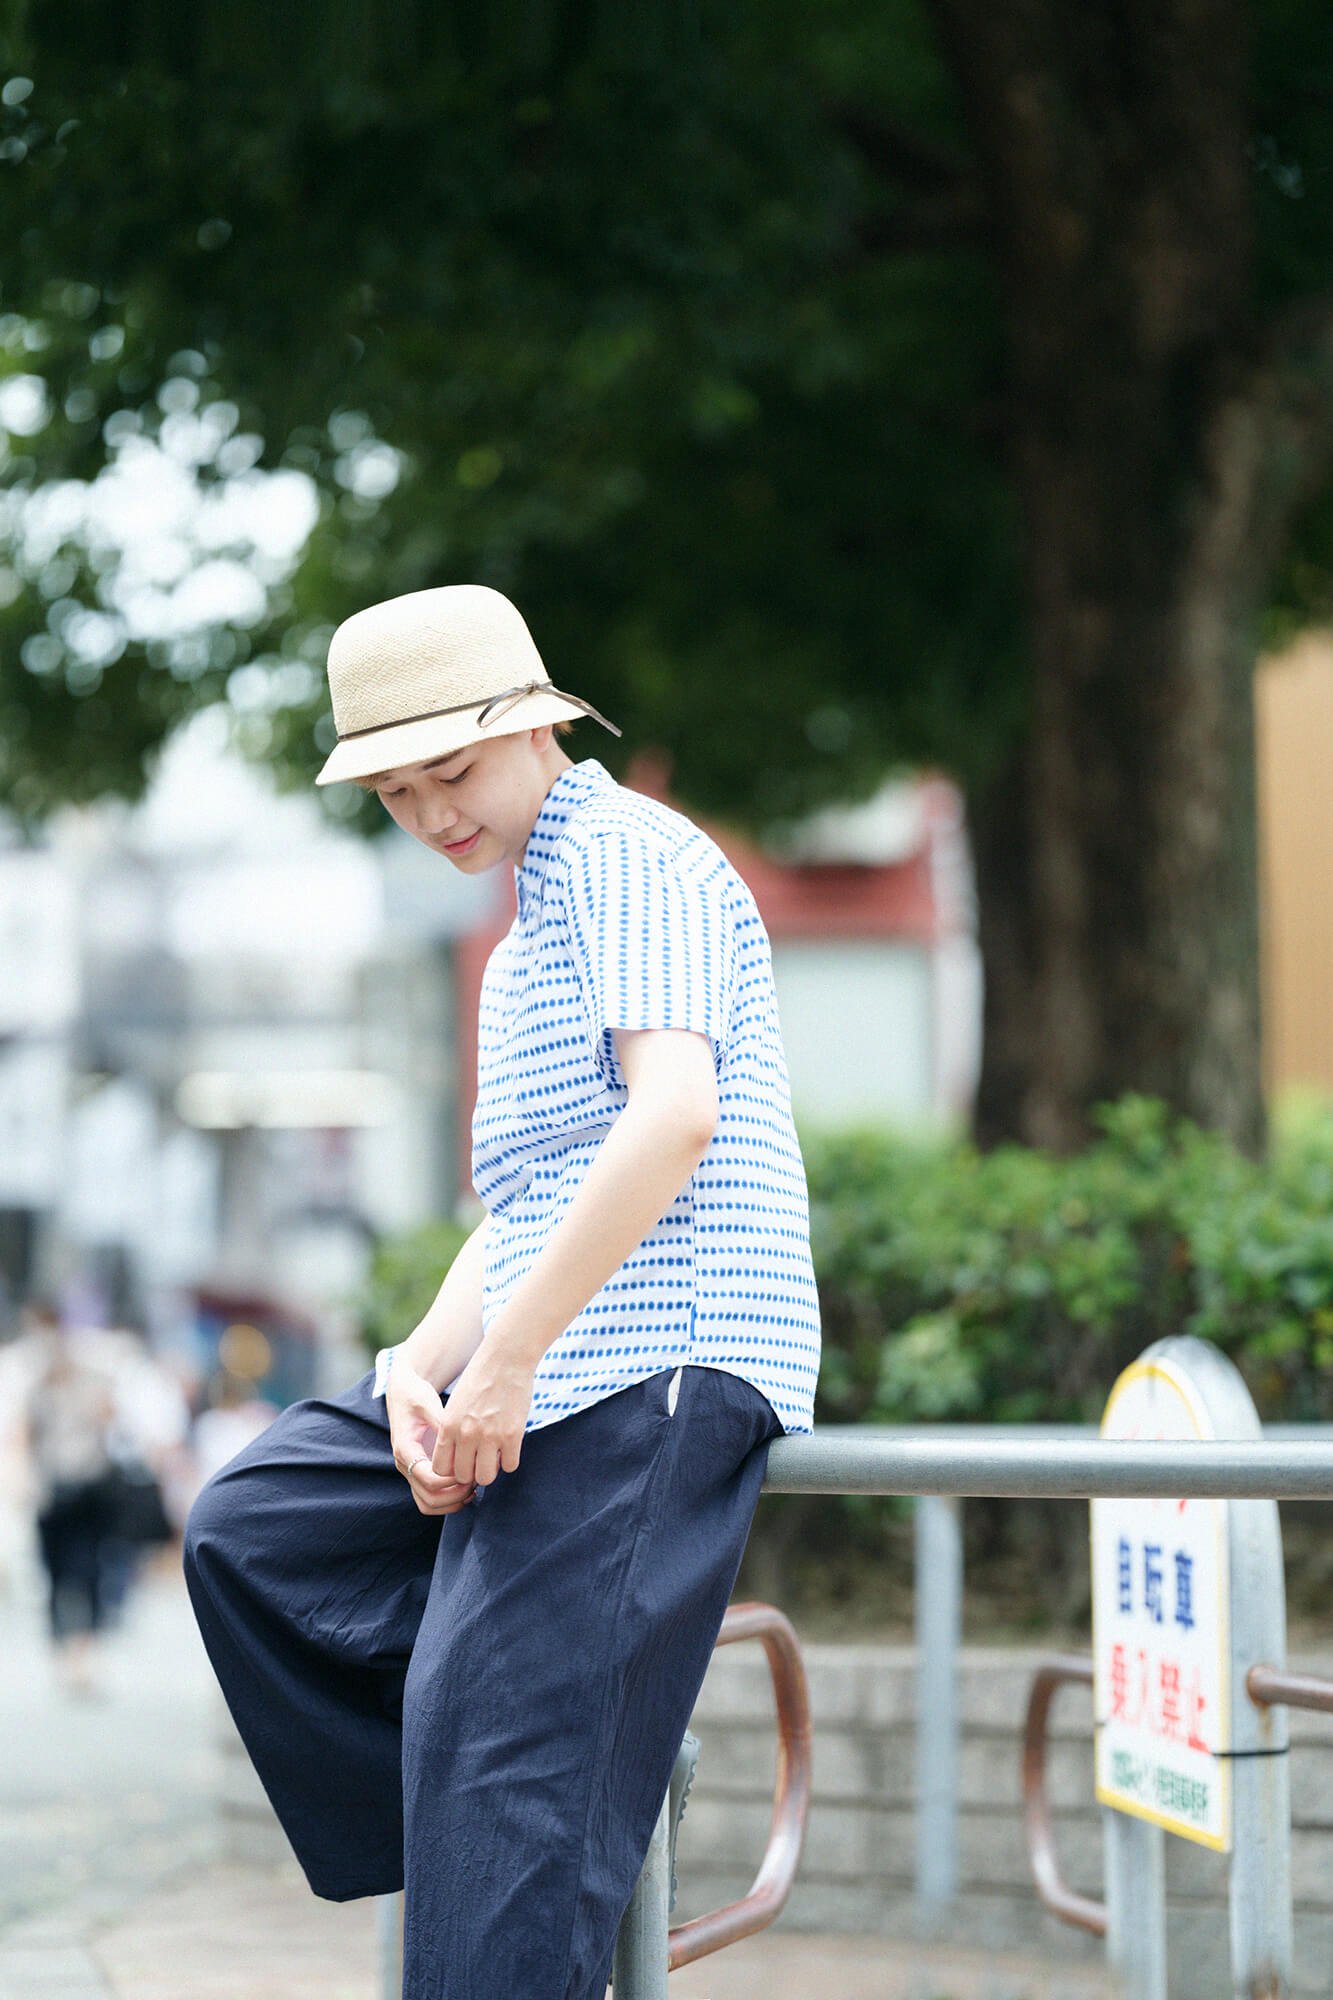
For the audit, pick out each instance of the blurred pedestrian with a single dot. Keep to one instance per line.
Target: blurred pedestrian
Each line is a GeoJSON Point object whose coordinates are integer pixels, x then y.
{"type": "Point", "coordinates": [68, 1430]}
{"type": "Point", "coordinates": [235, 1416]}
{"type": "Point", "coordinates": [486, 1700]}
{"type": "Point", "coordinates": [149, 1436]}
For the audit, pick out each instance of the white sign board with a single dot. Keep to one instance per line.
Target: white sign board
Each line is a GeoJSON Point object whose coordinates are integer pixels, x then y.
{"type": "Point", "coordinates": [1160, 1629]}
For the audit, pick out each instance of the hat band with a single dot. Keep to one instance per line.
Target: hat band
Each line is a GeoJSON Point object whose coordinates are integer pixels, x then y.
{"type": "Point", "coordinates": [500, 703]}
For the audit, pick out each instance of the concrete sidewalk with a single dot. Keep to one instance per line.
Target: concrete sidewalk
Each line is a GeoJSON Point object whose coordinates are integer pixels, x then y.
{"type": "Point", "coordinates": [127, 1872]}
{"type": "Point", "coordinates": [239, 1932]}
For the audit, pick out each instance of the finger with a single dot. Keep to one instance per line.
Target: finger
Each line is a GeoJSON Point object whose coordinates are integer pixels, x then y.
{"type": "Point", "coordinates": [421, 1477]}
{"type": "Point", "coordinates": [434, 1495]}
{"type": "Point", "coordinates": [463, 1465]}
{"type": "Point", "coordinates": [449, 1480]}
{"type": "Point", "coordinates": [412, 1453]}
{"type": "Point", "coordinates": [413, 1436]}
{"type": "Point", "coordinates": [444, 1460]}
{"type": "Point", "coordinates": [510, 1455]}
{"type": "Point", "coordinates": [488, 1464]}
{"type": "Point", "coordinates": [435, 1510]}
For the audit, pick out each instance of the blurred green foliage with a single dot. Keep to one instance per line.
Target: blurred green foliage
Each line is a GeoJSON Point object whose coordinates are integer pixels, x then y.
{"type": "Point", "coordinates": [678, 323]}
{"type": "Point", "coordinates": [1014, 1286]}
{"type": "Point", "coordinates": [610, 299]}
{"type": "Point", "coordinates": [404, 1276]}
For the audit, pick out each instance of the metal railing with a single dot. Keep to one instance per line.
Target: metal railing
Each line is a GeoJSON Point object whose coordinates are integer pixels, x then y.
{"type": "Point", "coordinates": [1270, 1686]}
{"type": "Point", "coordinates": [1054, 1894]}
{"type": "Point", "coordinates": [646, 1951]}
{"type": "Point", "coordinates": [990, 1462]}
{"type": "Point", "coordinates": [791, 1792]}
{"type": "Point", "coordinates": [980, 1461]}
{"type": "Point", "coordinates": [1020, 1463]}
{"type": "Point", "coordinates": [1267, 1686]}
{"type": "Point", "coordinates": [1286, 1465]}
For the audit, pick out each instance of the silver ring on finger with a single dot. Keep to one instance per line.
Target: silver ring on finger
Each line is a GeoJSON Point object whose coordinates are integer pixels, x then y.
{"type": "Point", "coordinates": [420, 1459]}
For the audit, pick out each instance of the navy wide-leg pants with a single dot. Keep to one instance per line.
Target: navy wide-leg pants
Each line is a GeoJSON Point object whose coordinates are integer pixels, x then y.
{"type": "Point", "coordinates": [486, 1707]}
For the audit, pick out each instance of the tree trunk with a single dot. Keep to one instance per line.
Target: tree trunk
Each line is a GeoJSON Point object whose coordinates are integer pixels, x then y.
{"type": "Point", "coordinates": [1121, 938]}
{"type": "Point", "coordinates": [1000, 824]}
{"type": "Point", "coordinates": [1120, 864]}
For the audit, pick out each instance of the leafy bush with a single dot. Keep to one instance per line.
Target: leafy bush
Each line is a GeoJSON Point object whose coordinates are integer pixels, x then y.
{"type": "Point", "coordinates": [1014, 1286]}
{"type": "Point", "coordinates": [404, 1276]}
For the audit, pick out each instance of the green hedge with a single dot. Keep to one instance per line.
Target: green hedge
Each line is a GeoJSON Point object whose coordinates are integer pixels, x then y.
{"type": "Point", "coordinates": [1014, 1286]}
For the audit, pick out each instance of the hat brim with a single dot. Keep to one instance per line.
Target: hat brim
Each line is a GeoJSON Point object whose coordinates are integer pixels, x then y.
{"type": "Point", "coordinates": [402, 743]}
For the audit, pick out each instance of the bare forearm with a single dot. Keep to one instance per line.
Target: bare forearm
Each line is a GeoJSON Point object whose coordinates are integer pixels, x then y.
{"type": "Point", "coordinates": [448, 1334]}
{"type": "Point", "coordinates": [642, 1165]}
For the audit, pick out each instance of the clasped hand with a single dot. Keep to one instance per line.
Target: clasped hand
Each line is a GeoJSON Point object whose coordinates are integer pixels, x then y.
{"type": "Point", "coordinates": [445, 1449]}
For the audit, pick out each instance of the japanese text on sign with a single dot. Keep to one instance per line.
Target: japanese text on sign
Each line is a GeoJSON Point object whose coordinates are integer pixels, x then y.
{"type": "Point", "coordinates": [1160, 1607]}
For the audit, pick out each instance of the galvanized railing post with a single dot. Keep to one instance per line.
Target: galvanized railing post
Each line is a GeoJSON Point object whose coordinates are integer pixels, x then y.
{"type": "Point", "coordinates": [1135, 1903]}
{"type": "Point", "coordinates": [389, 1944]}
{"type": "Point", "coordinates": [938, 1539]}
{"type": "Point", "coordinates": [1261, 1913]}
{"type": "Point", "coordinates": [640, 1969]}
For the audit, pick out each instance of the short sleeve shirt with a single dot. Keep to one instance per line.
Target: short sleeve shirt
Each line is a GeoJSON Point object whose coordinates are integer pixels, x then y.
{"type": "Point", "coordinates": [629, 916]}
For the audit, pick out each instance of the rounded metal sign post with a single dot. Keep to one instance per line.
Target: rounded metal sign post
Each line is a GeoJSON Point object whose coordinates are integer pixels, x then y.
{"type": "Point", "coordinates": [1188, 1596]}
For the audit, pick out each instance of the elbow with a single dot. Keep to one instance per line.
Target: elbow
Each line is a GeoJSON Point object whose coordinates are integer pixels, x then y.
{"type": "Point", "coordinates": [672, 1092]}
{"type": "Point", "coordinates": [680, 1128]}
{"type": "Point", "coordinates": [699, 1116]}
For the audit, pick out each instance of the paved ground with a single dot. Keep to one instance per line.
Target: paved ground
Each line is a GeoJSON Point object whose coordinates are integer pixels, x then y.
{"type": "Point", "coordinates": [101, 1799]}
{"type": "Point", "coordinates": [120, 1880]}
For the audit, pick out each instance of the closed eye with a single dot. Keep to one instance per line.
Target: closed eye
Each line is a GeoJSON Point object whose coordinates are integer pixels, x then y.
{"type": "Point", "coordinates": [400, 791]}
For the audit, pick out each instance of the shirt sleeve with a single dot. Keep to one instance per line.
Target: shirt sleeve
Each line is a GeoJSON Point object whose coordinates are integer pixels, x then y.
{"type": "Point", "coordinates": [652, 940]}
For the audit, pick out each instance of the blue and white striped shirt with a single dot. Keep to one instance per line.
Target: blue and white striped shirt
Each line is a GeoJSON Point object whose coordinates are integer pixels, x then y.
{"type": "Point", "coordinates": [630, 917]}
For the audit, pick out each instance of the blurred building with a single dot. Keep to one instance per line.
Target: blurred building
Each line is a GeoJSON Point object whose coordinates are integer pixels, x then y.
{"type": "Point", "coordinates": [225, 1037]}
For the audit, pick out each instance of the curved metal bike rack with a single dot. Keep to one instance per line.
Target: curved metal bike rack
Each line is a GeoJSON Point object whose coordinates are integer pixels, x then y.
{"type": "Point", "coordinates": [1273, 1686]}
{"type": "Point", "coordinates": [1054, 1893]}
{"type": "Point", "coordinates": [791, 1794]}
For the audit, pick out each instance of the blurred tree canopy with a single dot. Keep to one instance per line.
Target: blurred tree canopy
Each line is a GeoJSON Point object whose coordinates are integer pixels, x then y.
{"type": "Point", "coordinates": [831, 388]}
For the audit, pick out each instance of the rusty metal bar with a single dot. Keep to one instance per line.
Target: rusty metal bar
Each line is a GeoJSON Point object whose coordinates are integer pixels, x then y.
{"type": "Point", "coordinates": [1270, 1686]}
{"type": "Point", "coordinates": [791, 1794]}
{"type": "Point", "coordinates": [1054, 1893]}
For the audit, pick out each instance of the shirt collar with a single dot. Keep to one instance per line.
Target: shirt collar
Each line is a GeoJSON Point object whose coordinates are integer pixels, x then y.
{"type": "Point", "coordinates": [562, 801]}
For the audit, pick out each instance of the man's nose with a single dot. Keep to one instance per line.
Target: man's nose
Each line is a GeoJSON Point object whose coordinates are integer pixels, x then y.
{"type": "Point", "coordinates": [436, 816]}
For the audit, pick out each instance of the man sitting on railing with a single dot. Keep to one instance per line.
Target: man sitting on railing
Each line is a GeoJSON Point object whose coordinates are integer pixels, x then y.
{"type": "Point", "coordinates": [486, 1699]}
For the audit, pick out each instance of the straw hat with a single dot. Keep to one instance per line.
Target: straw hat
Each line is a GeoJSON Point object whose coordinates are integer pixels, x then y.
{"type": "Point", "coordinates": [420, 675]}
